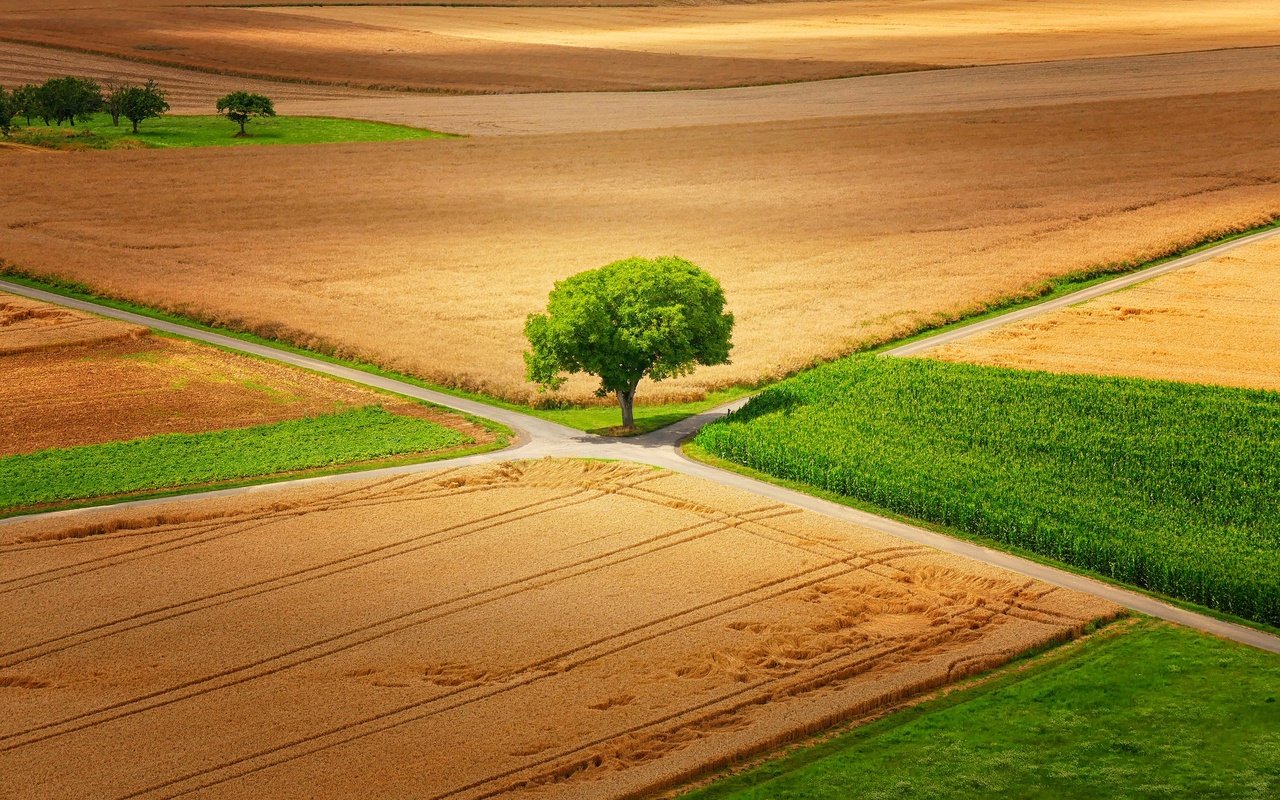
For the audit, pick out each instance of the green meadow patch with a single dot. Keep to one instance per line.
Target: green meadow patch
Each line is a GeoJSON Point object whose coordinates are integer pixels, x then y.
{"type": "Point", "coordinates": [214, 131]}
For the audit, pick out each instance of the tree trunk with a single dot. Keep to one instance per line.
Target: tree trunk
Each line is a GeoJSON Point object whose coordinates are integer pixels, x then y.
{"type": "Point", "coordinates": [135, 125]}
{"type": "Point", "coordinates": [242, 122]}
{"type": "Point", "coordinates": [627, 401]}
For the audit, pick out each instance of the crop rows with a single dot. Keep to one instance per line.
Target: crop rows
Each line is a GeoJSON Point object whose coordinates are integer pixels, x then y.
{"type": "Point", "coordinates": [1171, 487]}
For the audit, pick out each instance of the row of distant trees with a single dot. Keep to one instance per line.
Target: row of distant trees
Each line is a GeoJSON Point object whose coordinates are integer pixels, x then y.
{"type": "Point", "coordinates": [72, 99]}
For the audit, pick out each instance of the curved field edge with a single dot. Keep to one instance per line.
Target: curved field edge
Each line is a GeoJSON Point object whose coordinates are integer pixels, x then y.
{"type": "Point", "coordinates": [178, 463]}
{"type": "Point", "coordinates": [1119, 700]}
{"type": "Point", "coordinates": [1067, 466]}
{"type": "Point", "coordinates": [604, 418]}
{"type": "Point", "coordinates": [212, 130]}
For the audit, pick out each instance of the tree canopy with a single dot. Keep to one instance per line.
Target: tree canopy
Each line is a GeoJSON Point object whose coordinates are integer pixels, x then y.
{"type": "Point", "coordinates": [68, 99]}
{"type": "Point", "coordinates": [657, 318]}
{"type": "Point", "coordinates": [240, 107]}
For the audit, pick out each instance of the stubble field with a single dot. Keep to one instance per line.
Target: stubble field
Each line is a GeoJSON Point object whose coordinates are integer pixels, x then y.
{"type": "Point", "coordinates": [636, 627]}
{"type": "Point", "coordinates": [73, 379]}
{"type": "Point", "coordinates": [426, 257]}
{"type": "Point", "coordinates": [1217, 322]}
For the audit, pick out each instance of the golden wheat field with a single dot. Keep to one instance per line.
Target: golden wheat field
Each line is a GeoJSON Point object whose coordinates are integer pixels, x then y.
{"type": "Point", "coordinates": [1216, 322]}
{"type": "Point", "coordinates": [75, 379]}
{"type": "Point", "coordinates": [574, 49]}
{"type": "Point", "coordinates": [427, 257]}
{"type": "Point", "coordinates": [537, 629]}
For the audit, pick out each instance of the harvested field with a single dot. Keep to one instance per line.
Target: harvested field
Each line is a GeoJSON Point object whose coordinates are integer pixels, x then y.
{"type": "Point", "coordinates": [534, 49]}
{"type": "Point", "coordinates": [547, 629]}
{"type": "Point", "coordinates": [427, 257]}
{"type": "Point", "coordinates": [75, 379]}
{"type": "Point", "coordinates": [1216, 322]}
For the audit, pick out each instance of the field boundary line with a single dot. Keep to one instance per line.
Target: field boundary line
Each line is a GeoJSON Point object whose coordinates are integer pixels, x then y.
{"type": "Point", "coordinates": [1088, 293]}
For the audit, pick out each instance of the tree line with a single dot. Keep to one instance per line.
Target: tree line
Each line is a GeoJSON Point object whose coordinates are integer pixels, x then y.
{"type": "Point", "coordinates": [72, 99]}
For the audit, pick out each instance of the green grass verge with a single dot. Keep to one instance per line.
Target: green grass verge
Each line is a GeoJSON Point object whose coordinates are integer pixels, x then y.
{"type": "Point", "coordinates": [211, 130]}
{"type": "Point", "coordinates": [167, 462]}
{"type": "Point", "coordinates": [1166, 486]}
{"type": "Point", "coordinates": [1148, 711]}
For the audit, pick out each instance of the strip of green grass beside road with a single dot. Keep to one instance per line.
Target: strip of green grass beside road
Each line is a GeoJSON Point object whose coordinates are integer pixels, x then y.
{"type": "Point", "coordinates": [166, 463]}
{"type": "Point", "coordinates": [1145, 710]}
{"type": "Point", "coordinates": [211, 130]}
{"type": "Point", "coordinates": [1166, 486]}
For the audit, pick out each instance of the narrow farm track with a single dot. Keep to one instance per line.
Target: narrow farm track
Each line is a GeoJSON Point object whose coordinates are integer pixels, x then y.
{"type": "Point", "coordinates": [538, 438]}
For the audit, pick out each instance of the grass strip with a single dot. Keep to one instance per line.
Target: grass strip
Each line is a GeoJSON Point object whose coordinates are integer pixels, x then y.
{"type": "Point", "coordinates": [178, 130]}
{"type": "Point", "coordinates": [1166, 486]}
{"type": "Point", "coordinates": [1144, 711]}
{"type": "Point", "coordinates": [169, 461]}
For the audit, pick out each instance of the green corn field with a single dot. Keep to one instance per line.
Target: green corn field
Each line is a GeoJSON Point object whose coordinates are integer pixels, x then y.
{"type": "Point", "coordinates": [1171, 487]}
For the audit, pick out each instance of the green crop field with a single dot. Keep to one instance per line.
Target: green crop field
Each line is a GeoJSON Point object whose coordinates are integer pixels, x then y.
{"type": "Point", "coordinates": [1152, 711]}
{"type": "Point", "coordinates": [214, 131]}
{"type": "Point", "coordinates": [1170, 487]}
{"type": "Point", "coordinates": [172, 461]}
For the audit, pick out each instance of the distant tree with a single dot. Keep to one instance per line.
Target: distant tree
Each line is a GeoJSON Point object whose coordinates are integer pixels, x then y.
{"type": "Point", "coordinates": [113, 99]}
{"type": "Point", "coordinates": [69, 99]}
{"type": "Point", "coordinates": [143, 102]}
{"type": "Point", "coordinates": [26, 101]}
{"type": "Point", "coordinates": [240, 107]}
{"type": "Point", "coordinates": [628, 320]}
{"type": "Point", "coordinates": [8, 110]}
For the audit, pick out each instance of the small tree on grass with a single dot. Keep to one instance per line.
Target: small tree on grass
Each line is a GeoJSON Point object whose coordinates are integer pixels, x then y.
{"type": "Point", "coordinates": [143, 102]}
{"type": "Point", "coordinates": [26, 101]}
{"type": "Point", "coordinates": [629, 320]}
{"type": "Point", "coordinates": [240, 107]}
{"type": "Point", "coordinates": [113, 99]}
{"type": "Point", "coordinates": [8, 110]}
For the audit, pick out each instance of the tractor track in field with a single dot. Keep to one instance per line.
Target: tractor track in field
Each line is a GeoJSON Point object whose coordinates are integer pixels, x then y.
{"type": "Point", "coordinates": [539, 438]}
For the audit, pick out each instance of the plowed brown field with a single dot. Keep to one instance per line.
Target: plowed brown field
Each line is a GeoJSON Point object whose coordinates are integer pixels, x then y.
{"type": "Point", "coordinates": [427, 257]}
{"type": "Point", "coordinates": [74, 379]}
{"type": "Point", "coordinates": [545, 629]}
{"type": "Point", "coordinates": [1216, 322]}
{"type": "Point", "coordinates": [575, 49]}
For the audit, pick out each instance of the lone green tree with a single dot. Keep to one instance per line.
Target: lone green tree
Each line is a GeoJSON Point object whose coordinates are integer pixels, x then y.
{"type": "Point", "coordinates": [240, 107]}
{"type": "Point", "coordinates": [143, 102]}
{"type": "Point", "coordinates": [629, 320]}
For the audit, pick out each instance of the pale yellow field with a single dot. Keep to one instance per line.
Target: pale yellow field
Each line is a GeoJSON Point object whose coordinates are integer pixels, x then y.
{"type": "Point", "coordinates": [1216, 322]}
{"type": "Point", "coordinates": [428, 256]}
{"type": "Point", "coordinates": [551, 629]}
{"type": "Point", "coordinates": [932, 32]}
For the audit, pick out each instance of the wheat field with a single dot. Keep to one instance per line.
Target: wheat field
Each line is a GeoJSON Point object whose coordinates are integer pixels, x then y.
{"type": "Point", "coordinates": [426, 257]}
{"type": "Point", "coordinates": [1216, 322]}
{"type": "Point", "coordinates": [539, 629]}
